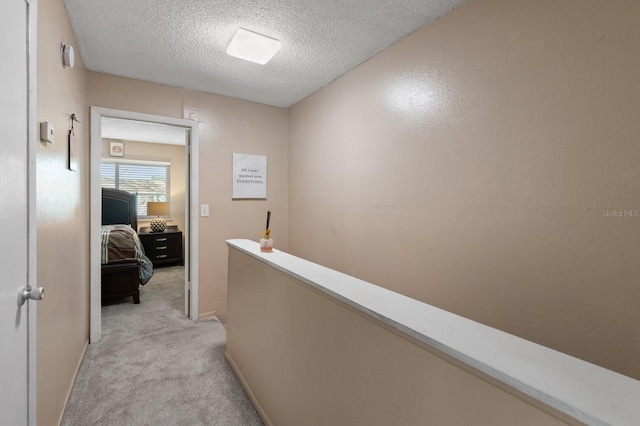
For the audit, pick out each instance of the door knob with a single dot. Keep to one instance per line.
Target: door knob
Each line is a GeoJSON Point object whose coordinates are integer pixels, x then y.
{"type": "Point", "coordinates": [33, 294]}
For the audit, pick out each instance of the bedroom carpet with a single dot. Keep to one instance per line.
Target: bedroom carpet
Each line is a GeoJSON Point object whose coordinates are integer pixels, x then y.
{"type": "Point", "coordinates": [153, 366]}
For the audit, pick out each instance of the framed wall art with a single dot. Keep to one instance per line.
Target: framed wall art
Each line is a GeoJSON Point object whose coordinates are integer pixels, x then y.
{"type": "Point", "coordinates": [249, 176]}
{"type": "Point", "coordinates": [73, 151]}
{"type": "Point", "coordinates": [116, 149]}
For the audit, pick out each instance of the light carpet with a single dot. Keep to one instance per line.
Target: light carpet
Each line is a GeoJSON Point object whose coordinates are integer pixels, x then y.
{"type": "Point", "coordinates": [153, 366]}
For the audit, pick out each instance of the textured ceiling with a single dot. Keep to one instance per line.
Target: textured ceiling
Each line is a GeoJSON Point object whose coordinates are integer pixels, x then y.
{"type": "Point", "coordinates": [183, 42]}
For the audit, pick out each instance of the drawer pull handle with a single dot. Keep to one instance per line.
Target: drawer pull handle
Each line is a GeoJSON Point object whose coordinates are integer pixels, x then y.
{"type": "Point", "coordinates": [160, 256]}
{"type": "Point", "coordinates": [160, 239]}
{"type": "Point", "coordinates": [161, 248]}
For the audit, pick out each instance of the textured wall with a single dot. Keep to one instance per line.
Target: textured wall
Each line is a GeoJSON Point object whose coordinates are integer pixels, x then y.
{"type": "Point", "coordinates": [62, 217]}
{"type": "Point", "coordinates": [226, 126]}
{"type": "Point", "coordinates": [484, 165]}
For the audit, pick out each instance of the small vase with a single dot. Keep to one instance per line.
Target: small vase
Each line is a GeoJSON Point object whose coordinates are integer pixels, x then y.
{"type": "Point", "coordinates": [266, 244]}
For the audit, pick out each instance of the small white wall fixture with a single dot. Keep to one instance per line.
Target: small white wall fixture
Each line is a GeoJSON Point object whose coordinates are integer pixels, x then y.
{"type": "Point", "coordinates": [191, 222]}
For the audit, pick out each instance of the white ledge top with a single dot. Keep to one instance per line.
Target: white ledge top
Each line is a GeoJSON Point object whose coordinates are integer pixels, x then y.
{"type": "Point", "coordinates": [584, 391]}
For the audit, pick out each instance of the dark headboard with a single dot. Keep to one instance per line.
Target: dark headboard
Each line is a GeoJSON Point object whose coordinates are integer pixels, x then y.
{"type": "Point", "coordinates": [119, 207]}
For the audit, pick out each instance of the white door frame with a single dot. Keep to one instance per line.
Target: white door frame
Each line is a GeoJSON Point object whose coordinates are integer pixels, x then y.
{"type": "Point", "coordinates": [32, 247]}
{"type": "Point", "coordinates": [191, 222]}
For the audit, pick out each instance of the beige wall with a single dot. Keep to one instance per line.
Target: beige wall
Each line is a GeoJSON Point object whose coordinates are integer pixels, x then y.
{"type": "Point", "coordinates": [174, 154]}
{"type": "Point", "coordinates": [62, 217]}
{"type": "Point", "coordinates": [469, 165]}
{"type": "Point", "coordinates": [316, 361]}
{"type": "Point", "coordinates": [226, 126]}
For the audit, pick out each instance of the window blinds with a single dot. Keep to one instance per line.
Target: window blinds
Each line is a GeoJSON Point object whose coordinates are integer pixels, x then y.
{"type": "Point", "coordinates": [150, 180]}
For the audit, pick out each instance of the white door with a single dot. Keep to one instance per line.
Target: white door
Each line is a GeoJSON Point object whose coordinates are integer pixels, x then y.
{"type": "Point", "coordinates": [15, 218]}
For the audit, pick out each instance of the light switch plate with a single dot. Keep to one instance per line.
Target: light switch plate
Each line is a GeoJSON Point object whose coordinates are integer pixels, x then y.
{"type": "Point", "coordinates": [47, 132]}
{"type": "Point", "coordinates": [204, 210]}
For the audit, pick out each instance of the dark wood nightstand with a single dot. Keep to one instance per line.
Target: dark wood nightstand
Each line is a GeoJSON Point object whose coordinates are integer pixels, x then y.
{"type": "Point", "coordinates": [162, 247]}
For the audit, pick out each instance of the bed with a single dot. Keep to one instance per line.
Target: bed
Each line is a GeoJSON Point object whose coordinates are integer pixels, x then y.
{"type": "Point", "coordinates": [124, 264]}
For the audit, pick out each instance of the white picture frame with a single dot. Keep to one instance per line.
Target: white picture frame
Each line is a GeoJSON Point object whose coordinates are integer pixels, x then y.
{"type": "Point", "coordinates": [249, 176]}
{"type": "Point", "coordinates": [116, 149]}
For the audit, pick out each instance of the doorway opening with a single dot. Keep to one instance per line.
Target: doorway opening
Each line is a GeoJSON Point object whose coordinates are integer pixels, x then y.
{"type": "Point", "coordinates": [103, 118]}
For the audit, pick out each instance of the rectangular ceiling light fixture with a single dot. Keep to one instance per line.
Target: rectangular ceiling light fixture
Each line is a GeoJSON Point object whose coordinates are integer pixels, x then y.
{"type": "Point", "coordinates": [253, 47]}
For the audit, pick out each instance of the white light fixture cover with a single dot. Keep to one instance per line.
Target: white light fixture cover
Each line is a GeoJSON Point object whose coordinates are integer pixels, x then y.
{"type": "Point", "coordinates": [252, 46]}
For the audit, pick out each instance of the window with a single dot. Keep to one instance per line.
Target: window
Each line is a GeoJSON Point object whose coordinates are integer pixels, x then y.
{"type": "Point", "coordinates": [149, 179]}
